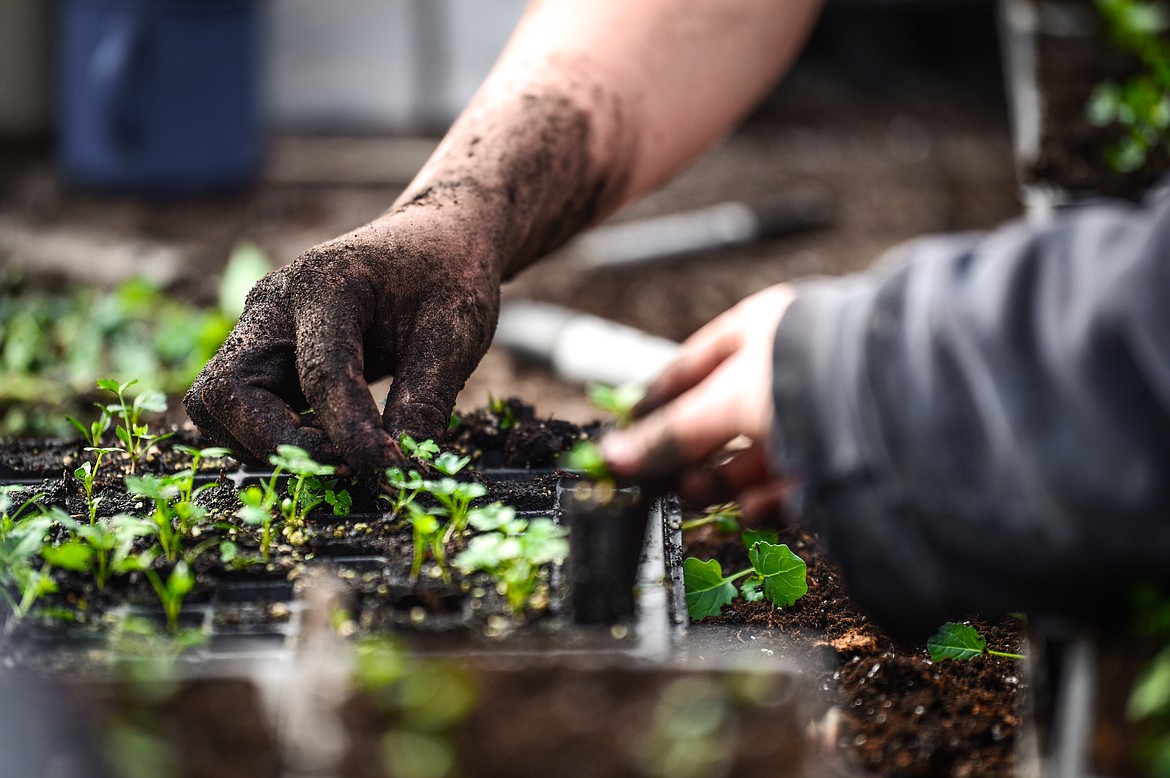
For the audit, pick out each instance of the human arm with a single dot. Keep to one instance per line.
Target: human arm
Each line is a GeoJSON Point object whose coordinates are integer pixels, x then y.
{"type": "Point", "coordinates": [984, 424]}
{"type": "Point", "coordinates": [593, 103]}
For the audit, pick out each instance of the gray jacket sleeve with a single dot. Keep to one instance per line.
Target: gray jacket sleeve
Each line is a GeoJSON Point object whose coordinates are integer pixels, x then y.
{"type": "Point", "coordinates": [983, 425]}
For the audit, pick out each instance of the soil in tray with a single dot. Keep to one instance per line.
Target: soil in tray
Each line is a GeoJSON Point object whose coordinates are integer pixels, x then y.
{"type": "Point", "coordinates": [886, 708]}
{"type": "Point", "coordinates": [369, 551]}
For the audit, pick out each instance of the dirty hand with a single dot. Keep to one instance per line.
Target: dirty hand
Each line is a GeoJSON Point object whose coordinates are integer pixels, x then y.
{"type": "Point", "coordinates": [406, 296]}
{"type": "Point", "coordinates": [717, 391]}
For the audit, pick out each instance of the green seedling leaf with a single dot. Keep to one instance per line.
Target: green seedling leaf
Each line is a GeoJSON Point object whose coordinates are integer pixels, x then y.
{"type": "Point", "coordinates": [956, 641]}
{"type": "Point", "coordinates": [753, 536]}
{"type": "Point", "coordinates": [751, 590]}
{"type": "Point", "coordinates": [449, 463]}
{"type": "Point", "coordinates": [617, 400]}
{"type": "Point", "coordinates": [73, 555]}
{"type": "Point", "coordinates": [585, 457]}
{"type": "Point", "coordinates": [423, 451]}
{"type": "Point", "coordinates": [707, 591]}
{"type": "Point", "coordinates": [297, 461]}
{"type": "Point", "coordinates": [784, 573]}
{"type": "Point", "coordinates": [112, 385]}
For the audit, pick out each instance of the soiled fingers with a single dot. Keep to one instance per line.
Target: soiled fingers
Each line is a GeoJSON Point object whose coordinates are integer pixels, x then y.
{"type": "Point", "coordinates": [247, 397]}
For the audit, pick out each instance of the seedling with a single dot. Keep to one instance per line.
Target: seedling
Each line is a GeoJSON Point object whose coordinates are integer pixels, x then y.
{"type": "Point", "coordinates": [1140, 105]}
{"type": "Point", "coordinates": [455, 497]}
{"type": "Point", "coordinates": [87, 474]}
{"type": "Point", "coordinates": [408, 486]}
{"type": "Point", "coordinates": [725, 517]}
{"type": "Point", "coordinates": [961, 642]}
{"type": "Point", "coordinates": [585, 457]}
{"type": "Point", "coordinates": [427, 535]}
{"type": "Point", "coordinates": [617, 400]}
{"type": "Point", "coordinates": [110, 544]}
{"type": "Point", "coordinates": [21, 539]}
{"type": "Point", "coordinates": [302, 499]}
{"type": "Point", "coordinates": [93, 432]}
{"type": "Point", "coordinates": [172, 591]}
{"type": "Point", "coordinates": [256, 508]}
{"type": "Point", "coordinates": [512, 551]}
{"type": "Point", "coordinates": [135, 435]}
{"type": "Point", "coordinates": [423, 452]}
{"type": "Point", "coordinates": [162, 492]}
{"type": "Point", "coordinates": [776, 574]}
{"type": "Point", "coordinates": [502, 410]}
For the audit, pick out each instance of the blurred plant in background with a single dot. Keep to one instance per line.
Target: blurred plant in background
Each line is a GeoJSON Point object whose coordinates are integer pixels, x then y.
{"type": "Point", "coordinates": [54, 346]}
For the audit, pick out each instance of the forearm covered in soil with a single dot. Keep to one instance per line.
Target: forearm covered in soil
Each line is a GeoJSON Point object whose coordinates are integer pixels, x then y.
{"type": "Point", "coordinates": [594, 103]}
{"type": "Point", "coordinates": [984, 424]}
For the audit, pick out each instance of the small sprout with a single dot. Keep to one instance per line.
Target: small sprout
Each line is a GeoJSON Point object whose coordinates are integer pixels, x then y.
{"type": "Point", "coordinates": [256, 507]}
{"type": "Point", "coordinates": [512, 551]}
{"type": "Point", "coordinates": [776, 574]}
{"type": "Point", "coordinates": [585, 457]}
{"type": "Point", "coordinates": [134, 434]}
{"type": "Point", "coordinates": [961, 642]}
{"type": "Point", "coordinates": [502, 410]}
{"type": "Point", "coordinates": [427, 533]}
{"type": "Point", "coordinates": [725, 517]}
{"type": "Point", "coordinates": [172, 591]}
{"type": "Point", "coordinates": [619, 401]}
{"type": "Point", "coordinates": [408, 486]}
{"type": "Point", "coordinates": [423, 451]}
{"type": "Point", "coordinates": [448, 463]}
{"type": "Point", "coordinates": [303, 486]}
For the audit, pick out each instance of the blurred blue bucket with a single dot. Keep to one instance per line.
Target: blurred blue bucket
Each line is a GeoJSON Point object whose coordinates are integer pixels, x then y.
{"type": "Point", "coordinates": [160, 96]}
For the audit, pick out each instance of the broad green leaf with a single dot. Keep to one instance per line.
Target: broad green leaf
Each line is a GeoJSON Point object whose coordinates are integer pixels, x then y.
{"type": "Point", "coordinates": [74, 555]}
{"type": "Point", "coordinates": [753, 536]}
{"type": "Point", "coordinates": [784, 573]}
{"type": "Point", "coordinates": [110, 385]}
{"type": "Point", "coordinates": [956, 641]}
{"type": "Point", "coordinates": [751, 589]}
{"type": "Point", "coordinates": [707, 591]}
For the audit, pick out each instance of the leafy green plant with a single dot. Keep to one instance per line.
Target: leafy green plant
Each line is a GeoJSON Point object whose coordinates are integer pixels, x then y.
{"type": "Point", "coordinates": [172, 590]}
{"type": "Point", "coordinates": [1140, 105]}
{"type": "Point", "coordinates": [585, 457]}
{"type": "Point", "coordinates": [776, 573]}
{"type": "Point", "coordinates": [407, 486]}
{"type": "Point", "coordinates": [502, 410]}
{"type": "Point", "coordinates": [725, 517]}
{"type": "Point", "coordinates": [456, 498]}
{"type": "Point", "coordinates": [512, 551]}
{"type": "Point", "coordinates": [617, 400]}
{"type": "Point", "coordinates": [427, 535]}
{"type": "Point", "coordinates": [87, 475]}
{"type": "Point", "coordinates": [162, 492]}
{"type": "Point", "coordinates": [961, 642]}
{"type": "Point", "coordinates": [257, 506]}
{"type": "Point", "coordinates": [54, 345]}
{"type": "Point", "coordinates": [110, 547]}
{"type": "Point", "coordinates": [423, 451]}
{"type": "Point", "coordinates": [303, 493]}
{"type": "Point", "coordinates": [134, 434]}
